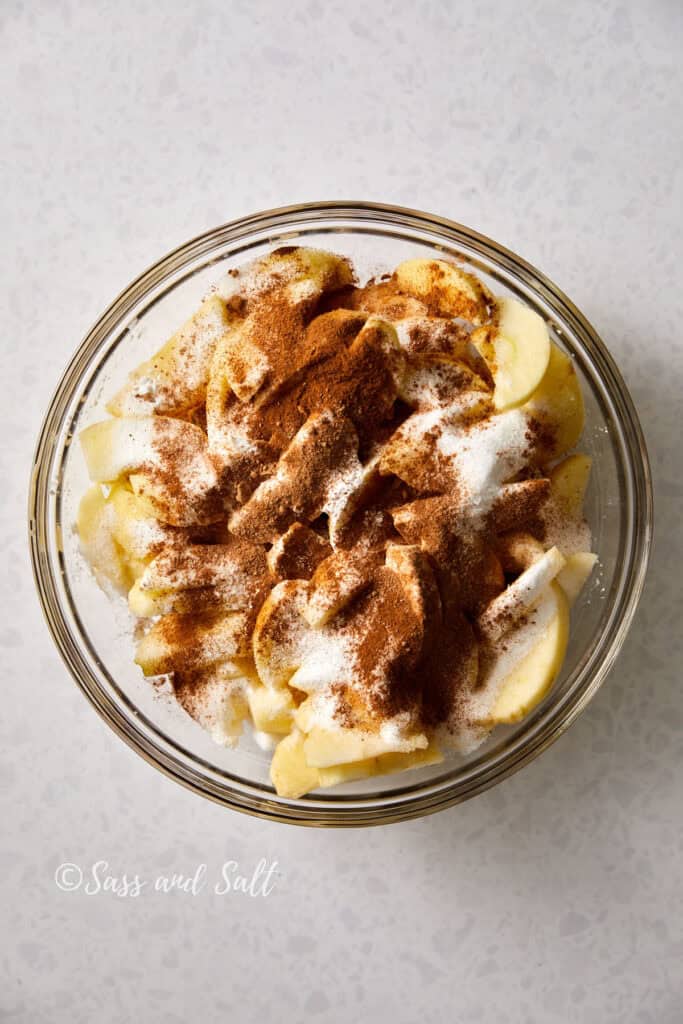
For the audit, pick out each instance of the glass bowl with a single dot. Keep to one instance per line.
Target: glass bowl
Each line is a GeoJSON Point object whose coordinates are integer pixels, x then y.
{"type": "Point", "coordinates": [93, 633]}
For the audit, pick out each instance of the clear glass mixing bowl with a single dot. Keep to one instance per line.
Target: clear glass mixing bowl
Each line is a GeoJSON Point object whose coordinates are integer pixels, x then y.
{"type": "Point", "coordinates": [93, 633]}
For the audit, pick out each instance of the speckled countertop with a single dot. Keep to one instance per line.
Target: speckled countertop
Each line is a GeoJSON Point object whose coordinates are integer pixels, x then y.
{"type": "Point", "coordinates": [553, 127]}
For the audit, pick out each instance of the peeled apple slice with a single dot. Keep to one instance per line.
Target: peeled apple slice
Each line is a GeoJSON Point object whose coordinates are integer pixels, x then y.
{"type": "Point", "coordinates": [290, 772]}
{"type": "Point", "coordinates": [95, 525]}
{"type": "Point", "coordinates": [165, 645]}
{"type": "Point", "coordinates": [301, 268]}
{"type": "Point", "coordinates": [517, 351]}
{"type": "Point", "coordinates": [136, 528]}
{"type": "Point", "coordinates": [444, 288]}
{"type": "Point", "coordinates": [557, 403]}
{"type": "Point", "coordinates": [326, 747]}
{"type": "Point", "coordinates": [271, 710]}
{"type": "Point", "coordinates": [334, 583]}
{"type": "Point", "coordinates": [277, 659]}
{"type": "Point", "coordinates": [385, 764]}
{"type": "Point", "coordinates": [573, 576]}
{"type": "Point", "coordinates": [174, 378]}
{"type": "Point", "coordinates": [530, 680]}
{"type": "Point", "coordinates": [568, 484]}
{"type": "Point", "coordinates": [525, 591]}
{"type": "Point", "coordinates": [341, 773]}
{"type": "Point", "coordinates": [115, 447]}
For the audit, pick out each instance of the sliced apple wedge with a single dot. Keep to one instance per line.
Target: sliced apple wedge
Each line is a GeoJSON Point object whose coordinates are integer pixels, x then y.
{"type": "Point", "coordinates": [277, 633]}
{"type": "Point", "coordinates": [523, 675]}
{"type": "Point", "coordinates": [335, 582]}
{"type": "Point", "coordinates": [445, 289]}
{"type": "Point", "coordinates": [305, 715]}
{"type": "Point", "coordinates": [557, 403]}
{"type": "Point", "coordinates": [225, 576]}
{"type": "Point", "coordinates": [113, 448]}
{"type": "Point", "coordinates": [136, 528]}
{"type": "Point", "coordinates": [387, 764]}
{"type": "Point", "coordinates": [314, 474]}
{"type": "Point", "coordinates": [414, 570]}
{"type": "Point", "coordinates": [95, 525]}
{"type": "Point", "coordinates": [327, 747]}
{"type": "Point", "coordinates": [185, 493]}
{"type": "Point", "coordinates": [164, 648]}
{"type": "Point", "coordinates": [315, 269]}
{"type": "Point", "coordinates": [241, 361]}
{"type": "Point", "coordinates": [290, 772]}
{"type": "Point", "coordinates": [501, 614]}
{"type": "Point", "coordinates": [349, 499]}
{"type": "Point", "coordinates": [239, 364]}
{"type": "Point", "coordinates": [271, 710]}
{"type": "Point", "coordinates": [576, 571]}
{"type": "Point", "coordinates": [174, 379]}
{"type": "Point", "coordinates": [216, 700]}
{"type": "Point", "coordinates": [384, 764]}
{"type": "Point", "coordinates": [517, 350]}
{"type": "Point", "coordinates": [568, 484]}
{"type": "Point", "coordinates": [353, 772]}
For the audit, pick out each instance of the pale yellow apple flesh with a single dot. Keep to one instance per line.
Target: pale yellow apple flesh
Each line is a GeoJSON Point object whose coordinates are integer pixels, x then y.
{"type": "Point", "coordinates": [568, 484]}
{"type": "Point", "coordinates": [446, 289]}
{"type": "Point", "coordinates": [290, 772]}
{"type": "Point", "coordinates": [530, 680]}
{"type": "Point", "coordinates": [517, 350]}
{"type": "Point", "coordinates": [327, 747]}
{"type": "Point", "coordinates": [174, 379]}
{"type": "Point", "coordinates": [271, 710]}
{"type": "Point", "coordinates": [572, 578]}
{"type": "Point", "coordinates": [557, 403]}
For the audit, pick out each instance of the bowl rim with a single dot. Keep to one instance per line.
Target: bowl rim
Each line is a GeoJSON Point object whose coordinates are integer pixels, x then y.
{"type": "Point", "coordinates": [343, 811]}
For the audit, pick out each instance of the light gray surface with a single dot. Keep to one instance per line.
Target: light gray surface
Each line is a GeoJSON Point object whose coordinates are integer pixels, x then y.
{"type": "Point", "coordinates": [127, 128]}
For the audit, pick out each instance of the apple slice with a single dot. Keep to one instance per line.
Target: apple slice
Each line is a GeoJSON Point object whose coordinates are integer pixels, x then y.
{"type": "Point", "coordinates": [517, 350]}
{"type": "Point", "coordinates": [299, 266]}
{"type": "Point", "coordinates": [95, 525]}
{"type": "Point", "coordinates": [315, 474]}
{"type": "Point", "coordinates": [271, 710]}
{"type": "Point", "coordinates": [387, 764]}
{"type": "Point", "coordinates": [228, 576]}
{"type": "Point", "coordinates": [136, 528]}
{"type": "Point", "coordinates": [278, 631]}
{"type": "Point", "coordinates": [339, 774]}
{"type": "Point", "coordinates": [216, 700]}
{"type": "Point", "coordinates": [531, 677]}
{"type": "Point", "coordinates": [325, 748]}
{"type": "Point", "coordinates": [501, 613]}
{"type": "Point", "coordinates": [335, 583]}
{"type": "Point", "coordinates": [174, 379]}
{"type": "Point", "coordinates": [576, 571]}
{"type": "Point", "coordinates": [568, 484]}
{"type": "Point", "coordinates": [290, 772]}
{"type": "Point", "coordinates": [384, 764]}
{"type": "Point", "coordinates": [242, 359]}
{"type": "Point", "coordinates": [113, 448]}
{"type": "Point", "coordinates": [445, 289]}
{"type": "Point", "coordinates": [557, 404]}
{"type": "Point", "coordinates": [414, 570]}
{"type": "Point", "coordinates": [185, 493]}
{"type": "Point", "coordinates": [189, 642]}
